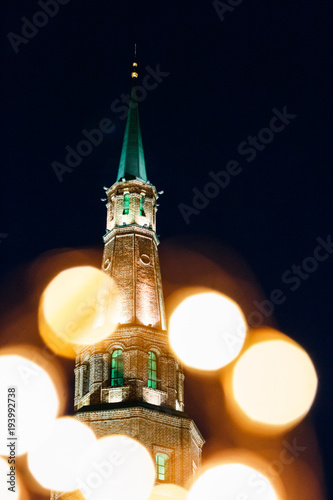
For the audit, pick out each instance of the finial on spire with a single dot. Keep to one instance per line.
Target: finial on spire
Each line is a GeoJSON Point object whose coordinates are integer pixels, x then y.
{"type": "Point", "coordinates": [132, 161]}
{"type": "Point", "coordinates": [135, 65]}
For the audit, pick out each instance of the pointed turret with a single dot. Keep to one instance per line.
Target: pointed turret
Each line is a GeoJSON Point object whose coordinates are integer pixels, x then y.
{"type": "Point", "coordinates": [132, 161]}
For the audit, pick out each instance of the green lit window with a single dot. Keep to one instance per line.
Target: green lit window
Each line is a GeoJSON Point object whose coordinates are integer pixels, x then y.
{"type": "Point", "coordinates": [117, 368]}
{"type": "Point", "coordinates": [126, 204]}
{"type": "Point", "coordinates": [142, 205]}
{"type": "Point", "coordinates": [152, 370]}
{"type": "Point", "coordinates": [161, 466]}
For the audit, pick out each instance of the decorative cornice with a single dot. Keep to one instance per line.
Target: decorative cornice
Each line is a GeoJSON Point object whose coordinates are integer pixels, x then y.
{"type": "Point", "coordinates": [130, 229]}
{"type": "Point", "coordinates": [133, 404]}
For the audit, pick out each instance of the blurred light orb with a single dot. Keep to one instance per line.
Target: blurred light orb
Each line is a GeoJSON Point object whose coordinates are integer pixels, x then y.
{"type": "Point", "coordinates": [207, 330]}
{"type": "Point", "coordinates": [232, 482]}
{"type": "Point", "coordinates": [80, 306]}
{"type": "Point", "coordinates": [116, 467]}
{"type": "Point", "coordinates": [274, 382]}
{"type": "Point", "coordinates": [53, 463]}
{"type": "Point", "coordinates": [5, 493]}
{"type": "Point", "coordinates": [168, 491]}
{"type": "Point", "coordinates": [36, 402]}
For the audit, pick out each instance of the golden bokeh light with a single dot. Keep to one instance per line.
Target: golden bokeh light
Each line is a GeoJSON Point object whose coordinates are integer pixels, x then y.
{"type": "Point", "coordinates": [80, 306]}
{"type": "Point", "coordinates": [9, 488]}
{"type": "Point", "coordinates": [213, 317]}
{"type": "Point", "coordinates": [36, 403]}
{"type": "Point", "coordinates": [116, 467]}
{"type": "Point", "coordinates": [274, 382]}
{"type": "Point", "coordinates": [231, 481]}
{"type": "Point", "coordinates": [168, 491]}
{"type": "Point", "coordinates": [53, 463]}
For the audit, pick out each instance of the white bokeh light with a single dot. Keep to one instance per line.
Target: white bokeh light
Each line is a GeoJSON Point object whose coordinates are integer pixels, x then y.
{"type": "Point", "coordinates": [116, 467]}
{"type": "Point", "coordinates": [168, 491]}
{"type": "Point", "coordinates": [275, 382]}
{"type": "Point", "coordinates": [54, 462]}
{"type": "Point", "coordinates": [36, 405]}
{"type": "Point", "coordinates": [232, 482]}
{"type": "Point", "coordinates": [210, 319]}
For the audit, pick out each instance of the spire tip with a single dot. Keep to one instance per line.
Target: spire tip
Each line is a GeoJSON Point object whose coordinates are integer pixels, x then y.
{"type": "Point", "coordinates": [135, 65]}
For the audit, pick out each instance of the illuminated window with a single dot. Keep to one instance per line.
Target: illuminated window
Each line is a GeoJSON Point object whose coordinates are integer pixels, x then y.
{"type": "Point", "coordinates": [126, 204]}
{"type": "Point", "coordinates": [142, 204]}
{"type": "Point", "coordinates": [161, 466]}
{"type": "Point", "coordinates": [117, 368]}
{"type": "Point", "coordinates": [152, 370]}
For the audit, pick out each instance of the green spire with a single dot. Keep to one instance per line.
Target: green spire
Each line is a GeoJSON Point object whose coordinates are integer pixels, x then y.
{"type": "Point", "coordinates": [132, 161]}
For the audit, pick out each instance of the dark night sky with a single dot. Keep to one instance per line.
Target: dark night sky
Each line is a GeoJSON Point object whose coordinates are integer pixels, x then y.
{"type": "Point", "coordinates": [224, 80]}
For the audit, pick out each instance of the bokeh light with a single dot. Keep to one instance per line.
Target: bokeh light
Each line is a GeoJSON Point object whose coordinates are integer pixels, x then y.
{"type": "Point", "coordinates": [213, 317]}
{"type": "Point", "coordinates": [5, 492]}
{"type": "Point", "coordinates": [80, 306]}
{"type": "Point", "coordinates": [274, 382]}
{"type": "Point", "coordinates": [170, 491]}
{"type": "Point", "coordinates": [116, 467]}
{"type": "Point", "coordinates": [54, 462]}
{"type": "Point", "coordinates": [73, 495]}
{"type": "Point", "coordinates": [36, 406]}
{"type": "Point", "coordinates": [230, 482]}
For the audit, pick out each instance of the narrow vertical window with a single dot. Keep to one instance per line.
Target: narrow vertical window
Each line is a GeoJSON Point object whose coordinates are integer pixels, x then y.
{"type": "Point", "coordinates": [142, 205]}
{"type": "Point", "coordinates": [86, 378]}
{"type": "Point", "coordinates": [152, 370]}
{"type": "Point", "coordinates": [126, 204]}
{"type": "Point", "coordinates": [117, 368]}
{"type": "Point", "coordinates": [161, 466]}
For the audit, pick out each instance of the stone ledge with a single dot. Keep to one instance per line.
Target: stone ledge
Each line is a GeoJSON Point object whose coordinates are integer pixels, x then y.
{"type": "Point", "coordinates": [132, 404]}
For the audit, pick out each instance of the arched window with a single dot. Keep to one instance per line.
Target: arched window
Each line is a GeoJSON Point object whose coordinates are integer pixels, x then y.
{"type": "Point", "coordinates": [117, 368]}
{"type": "Point", "coordinates": [142, 205]}
{"type": "Point", "coordinates": [162, 467]}
{"type": "Point", "coordinates": [152, 370]}
{"type": "Point", "coordinates": [126, 204]}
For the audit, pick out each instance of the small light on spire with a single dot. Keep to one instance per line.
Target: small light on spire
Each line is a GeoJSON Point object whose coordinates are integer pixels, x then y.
{"type": "Point", "coordinates": [135, 64]}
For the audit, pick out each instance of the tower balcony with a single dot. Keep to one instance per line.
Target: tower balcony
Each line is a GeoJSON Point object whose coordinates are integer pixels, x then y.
{"type": "Point", "coordinates": [154, 396]}
{"type": "Point", "coordinates": [115, 394]}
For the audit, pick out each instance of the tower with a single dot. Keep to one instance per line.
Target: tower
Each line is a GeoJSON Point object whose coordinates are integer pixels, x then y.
{"type": "Point", "coordinates": [131, 383]}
